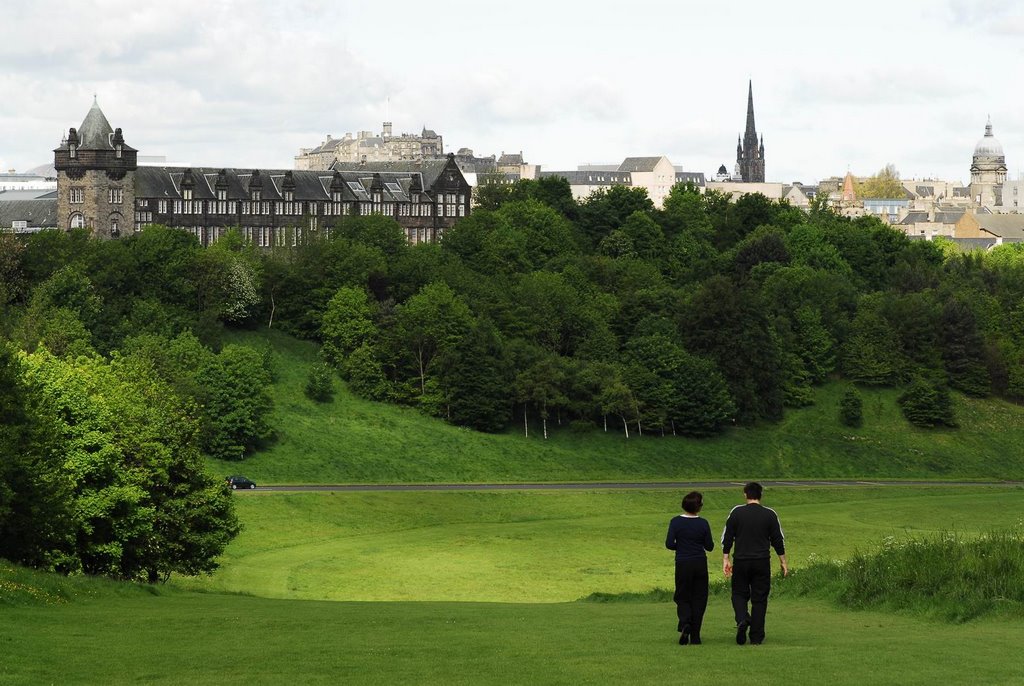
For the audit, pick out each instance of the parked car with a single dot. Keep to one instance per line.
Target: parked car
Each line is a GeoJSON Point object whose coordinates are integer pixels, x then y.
{"type": "Point", "coordinates": [237, 482]}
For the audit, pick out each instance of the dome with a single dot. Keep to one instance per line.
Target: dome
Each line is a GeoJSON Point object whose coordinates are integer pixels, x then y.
{"type": "Point", "coordinates": [988, 146]}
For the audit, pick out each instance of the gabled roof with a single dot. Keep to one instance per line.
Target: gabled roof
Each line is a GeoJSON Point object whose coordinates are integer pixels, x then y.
{"type": "Point", "coordinates": [39, 214]}
{"type": "Point", "coordinates": [639, 164]}
{"type": "Point", "coordinates": [510, 159]}
{"type": "Point", "coordinates": [1002, 225]}
{"type": "Point", "coordinates": [430, 169]}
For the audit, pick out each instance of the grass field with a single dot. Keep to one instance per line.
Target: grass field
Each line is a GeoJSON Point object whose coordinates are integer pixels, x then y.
{"type": "Point", "coordinates": [181, 638]}
{"type": "Point", "coordinates": [419, 560]}
{"type": "Point", "coordinates": [351, 440]}
{"type": "Point", "coordinates": [543, 546]}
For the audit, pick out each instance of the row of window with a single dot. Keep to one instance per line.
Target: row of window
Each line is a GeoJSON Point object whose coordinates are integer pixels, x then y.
{"type": "Point", "coordinates": [451, 208]}
{"type": "Point", "coordinates": [115, 196]}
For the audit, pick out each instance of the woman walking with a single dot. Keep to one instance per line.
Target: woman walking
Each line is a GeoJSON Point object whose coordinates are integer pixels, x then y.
{"type": "Point", "coordinates": [690, 536]}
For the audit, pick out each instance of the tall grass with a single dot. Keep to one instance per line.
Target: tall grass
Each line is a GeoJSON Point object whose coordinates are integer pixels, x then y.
{"type": "Point", "coordinates": [947, 576]}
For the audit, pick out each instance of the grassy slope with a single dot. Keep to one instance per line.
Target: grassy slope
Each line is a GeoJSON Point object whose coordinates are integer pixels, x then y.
{"type": "Point", "coordinates": [542, 546]}
{"type": "Point", "coordinates": [352, 440]}
{"type": "Point", "coordinates": [174, 637]}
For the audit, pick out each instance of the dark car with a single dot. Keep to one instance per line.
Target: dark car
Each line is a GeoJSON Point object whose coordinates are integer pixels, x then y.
{"type": "Point", "coordinates": [240, 482]}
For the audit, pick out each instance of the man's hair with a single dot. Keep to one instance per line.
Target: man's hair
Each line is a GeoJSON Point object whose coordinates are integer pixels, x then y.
{"type": "Point", "coordinates": [693, 502]}
{"type": "Point", "coordinates": [753, 490]}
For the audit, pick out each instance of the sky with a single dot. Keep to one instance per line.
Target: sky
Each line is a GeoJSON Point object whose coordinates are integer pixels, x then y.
{"type": "Point", "coordinates": [837, 86]}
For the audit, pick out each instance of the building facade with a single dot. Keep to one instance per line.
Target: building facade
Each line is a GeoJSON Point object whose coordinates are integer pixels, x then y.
{"type": "Point", "coordinates": [988, 170]}
{"type": "Point", "coordinates": [365, 147]}
{"type": "Point", "coordinates": [100, 186]}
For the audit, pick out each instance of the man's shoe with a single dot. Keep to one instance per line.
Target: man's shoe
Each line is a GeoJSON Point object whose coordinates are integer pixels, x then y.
{"type": "Point", "coordinates": [741, 632]}
{"type": "Point", "coordinates": [695, 640]}
{"type": "Point", "coordinates": [684, 636]}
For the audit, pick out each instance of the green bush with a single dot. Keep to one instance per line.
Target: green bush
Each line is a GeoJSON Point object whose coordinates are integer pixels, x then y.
{"type": "Point", "coordinates": [927, 405]}
{"type": "Point", "coordinates": [851, 408]}
{"type": "Point", "coordinates": [944, 575]}
{"type": "Point", "coordinates": [320, 383]}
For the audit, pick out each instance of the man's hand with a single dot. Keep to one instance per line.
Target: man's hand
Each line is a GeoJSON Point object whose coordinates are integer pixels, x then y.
{"type": "Point", "coordinates": [726, 567]}
{"type": "Point", "coordinates": [785, 565]}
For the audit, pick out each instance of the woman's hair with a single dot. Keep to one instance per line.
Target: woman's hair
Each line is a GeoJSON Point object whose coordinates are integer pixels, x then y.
{"type": "Point", "coordinates": [693, 502]}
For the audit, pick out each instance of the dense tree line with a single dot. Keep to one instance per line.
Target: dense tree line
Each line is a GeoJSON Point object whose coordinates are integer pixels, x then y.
{"type": "Point", "coordinates": [536, 310]}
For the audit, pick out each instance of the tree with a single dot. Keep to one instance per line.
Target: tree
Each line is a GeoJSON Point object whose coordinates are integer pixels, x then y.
{"type": "Point", "coordinates": [36, 501]}
{"type": "Point", "coordinates": [347, 324]}
{"type": "Point", "coordinates": [541, 385]}
{"type": "Point", "coordinates": [927, 405]}
{"type": "Point", "coordinates": [144, 505]}
{"type": "Point", "coordinates": [963, 349]}
{"type": "Point", "coordinates": [883, 185]}
{"type": "Point", "coordinates": [477, 380]}
{"type": "Point", "coordinates": [232, 390]}
{"type": "Point", "coordinates": [430, 323]}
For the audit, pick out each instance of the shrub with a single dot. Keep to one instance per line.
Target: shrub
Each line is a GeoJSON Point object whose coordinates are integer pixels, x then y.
{"type": "Point", "coordinates": [320, 383]}
{"type": "Point", "coordinates": [927, 405]}
{"type": "Point", "coordinates": [851, 408]}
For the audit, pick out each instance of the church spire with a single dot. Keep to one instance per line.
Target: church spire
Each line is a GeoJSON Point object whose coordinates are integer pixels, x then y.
{"type": "Point", "coordinates": [750, 154]}
{"type": "Point", "coordinates": [750, 111]}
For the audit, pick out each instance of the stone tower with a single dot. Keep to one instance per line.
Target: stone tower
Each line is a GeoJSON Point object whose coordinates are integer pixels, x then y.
{"type": "Point", "coordinates": [749, 150]}
{"type": "Point", "coordinates": [96, 178]}
{"type": "Point", "coordinates": [988, 170]}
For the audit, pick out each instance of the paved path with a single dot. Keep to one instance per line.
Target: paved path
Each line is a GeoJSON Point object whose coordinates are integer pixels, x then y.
{"type": "Point", "coordinates": [591, 486]}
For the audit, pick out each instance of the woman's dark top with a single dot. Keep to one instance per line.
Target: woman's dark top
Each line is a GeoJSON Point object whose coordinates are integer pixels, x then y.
{"type": "Point", "coordinates": [689, 537]}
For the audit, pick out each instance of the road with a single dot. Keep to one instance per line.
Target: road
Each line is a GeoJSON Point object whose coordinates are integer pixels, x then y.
{"type": "Point", "coordinates": [590, 486]}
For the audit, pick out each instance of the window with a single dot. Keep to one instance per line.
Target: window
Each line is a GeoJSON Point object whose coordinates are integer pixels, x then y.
{"type": "Point", "coordinates": [73, 151]}
{"type": "Point", "coordinates": [117, 150]}
{"type": "Point", "coordinates": [77, 196]}
{"type": "Point", "coordinates": [161, 206]}
{"type": "Point", "coordinates": [77, 221]}
{"type": "Point", "coordinates": [255, 194]}
{"type": "Point", "coordinates": [186, 193]}
{"type": "Point", "coordinates": [19, 224]}
{"type": "Point", "coordinates": [222, 194]}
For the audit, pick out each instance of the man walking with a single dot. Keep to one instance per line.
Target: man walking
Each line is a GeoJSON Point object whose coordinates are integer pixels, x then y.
{"type": "Point", "coordinates": [753, 528]}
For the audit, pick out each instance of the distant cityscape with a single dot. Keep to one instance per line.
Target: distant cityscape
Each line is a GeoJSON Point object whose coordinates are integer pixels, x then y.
{"type": "Point", "coordinates": [97, 181]}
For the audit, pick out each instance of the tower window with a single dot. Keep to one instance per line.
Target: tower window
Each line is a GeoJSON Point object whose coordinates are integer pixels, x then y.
{"type": "Point", "coordinates": [76, 196]}
{"type": "Point", "coordinates": [77, 221]}
{"type": "Point", "coordinates": [115, 196]}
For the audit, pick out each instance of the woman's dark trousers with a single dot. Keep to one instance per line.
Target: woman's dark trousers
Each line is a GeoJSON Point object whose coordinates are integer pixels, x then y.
{"type": "Point", "coordinates": [691, 594]}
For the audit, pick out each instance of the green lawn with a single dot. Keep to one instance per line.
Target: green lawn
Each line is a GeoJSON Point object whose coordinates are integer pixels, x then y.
{"type": "Point", "coordinates": [544, 546]}
{"type": "Point", "coordinates": [408, 572]}
{"type": "Point", "coordinates": [179, 638]}
{"type": "Point", "coordinates": [351, 440]}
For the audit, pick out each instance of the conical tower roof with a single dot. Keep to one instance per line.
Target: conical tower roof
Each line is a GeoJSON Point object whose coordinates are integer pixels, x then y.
{"type": "Point", "coordinates": [95, 133]}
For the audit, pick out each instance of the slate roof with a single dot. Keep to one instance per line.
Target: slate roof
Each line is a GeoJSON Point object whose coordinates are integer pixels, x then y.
{"type": "Point", "coordinates": [1002, 225]}
{"type": "Point", "coordinates": [639, 164]}
{"type": "Point", "coordinates": [40, 214]}
{"type": "Point", "coordinates": [510, 159]}
{"type": "Point", "coordinates": [395, 181]}
{"type": "Point", "coordinates": [28, 194]}
{"type": "Point", "coordinates": [429, 169]}
{"type": "Point", "coordinates": [95, 131]}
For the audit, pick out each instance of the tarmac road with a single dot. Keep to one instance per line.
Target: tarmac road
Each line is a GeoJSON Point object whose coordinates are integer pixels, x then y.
{"type": "Point", "coordinates": [591, 486]}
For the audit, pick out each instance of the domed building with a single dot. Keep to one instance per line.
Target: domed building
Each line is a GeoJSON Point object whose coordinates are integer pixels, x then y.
{"type": "Point", "coordinates": [988, 170]}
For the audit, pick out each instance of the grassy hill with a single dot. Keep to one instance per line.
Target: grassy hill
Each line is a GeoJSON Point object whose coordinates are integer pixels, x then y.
{"type": "Point", "coordinates": [351, 440]}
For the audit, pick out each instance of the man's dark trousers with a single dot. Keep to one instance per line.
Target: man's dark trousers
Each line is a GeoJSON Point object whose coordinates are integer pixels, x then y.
{"type": "Point", "coordinates": [691, 593]}
{"type": "Point", "coordinates": [751, 582]}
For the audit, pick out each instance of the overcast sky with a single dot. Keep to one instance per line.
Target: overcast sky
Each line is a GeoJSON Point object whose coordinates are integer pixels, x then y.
{"type": "Point", "coordinates": [837, 86]}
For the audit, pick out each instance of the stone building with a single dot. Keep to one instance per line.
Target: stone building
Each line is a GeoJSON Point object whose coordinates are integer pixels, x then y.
{"type": "Point", "coordinates": [988, 170]}
{"type": "Point", "coordinates": [365, 147]}
{"type": "Point", "coordinates": [750, 150]}
{"type": "Point", "coordinates": [655, 174]}
{"type": "Point", "coordinates": [95, 177]}
{"type": "Point", "coordinates": [99, 185]}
